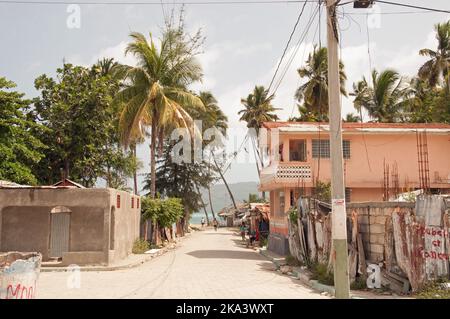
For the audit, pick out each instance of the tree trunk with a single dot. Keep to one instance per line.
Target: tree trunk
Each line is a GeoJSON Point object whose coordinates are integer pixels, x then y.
{"type": "Point", "coordinates": [224, 181]}
{"type": "Point", "coordinates": [153, 158]}
{"type": "Point", "coordinates": [133, 150]}
{"type": "Point", "coordinates": [155, 228]}
{"type": "Point", "coordinates": [210, 202]}
{"type": "Point", "coordinates": [203, 204]}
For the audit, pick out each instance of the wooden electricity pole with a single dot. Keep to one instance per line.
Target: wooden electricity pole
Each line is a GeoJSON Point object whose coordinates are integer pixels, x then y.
{"type": "Point", "coordinates": [339, 216]}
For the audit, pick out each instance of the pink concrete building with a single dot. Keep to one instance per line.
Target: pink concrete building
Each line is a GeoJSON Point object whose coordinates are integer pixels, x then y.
{"type": "Point", "coordinates": [299, 153]}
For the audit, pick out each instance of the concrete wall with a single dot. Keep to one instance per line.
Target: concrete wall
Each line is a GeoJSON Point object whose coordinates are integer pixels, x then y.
{"type": "Point", "coordinates": [25, 222]}
{"type": "Point", "coordinates": [371, 223]}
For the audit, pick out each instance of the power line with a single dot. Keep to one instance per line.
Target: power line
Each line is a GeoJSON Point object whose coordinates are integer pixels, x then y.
{"type": "Point", "coordinates": [412, 6]}
{"type": "Point", "coordinates": [402, 5]}
{"type": "Point", "coordinates": [157, 2]}
{"type": "Point", "coordinates": [287, 45]}
{"type": "Point", "coordinates": [302, 38]}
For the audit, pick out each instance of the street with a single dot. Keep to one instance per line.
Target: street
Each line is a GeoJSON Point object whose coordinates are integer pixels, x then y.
{"type": "Point", "coordinates": [207, 264]}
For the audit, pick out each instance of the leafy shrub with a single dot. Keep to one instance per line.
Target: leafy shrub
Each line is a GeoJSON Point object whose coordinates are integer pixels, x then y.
{"type": "Point", "coordinates": [165, 212]}
{"type": "Point", "coordinates": [140, 246]}
{"type": "Point", "coordinates": [322, 191]}
{"type": "Point", "coordinates": [293, 214]}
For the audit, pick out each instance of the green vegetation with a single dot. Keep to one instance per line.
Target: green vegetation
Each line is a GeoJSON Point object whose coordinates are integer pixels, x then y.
{"type": "Point", "coordinates": [20, 148]}
{"type": "Point", "coordinates": [313, 95]}
{"type": "Point", "coordinates": [254, 198]}
{"type": "Point", "coordinates": [292, 261]}
{"type": "Point", "coordinates": [359, 283]}
{"type": "Point", "coordinates": [293, 214]}
{"type": "Point", "coordinates": [140, 246]}
{"type": "Point", "coordinates": [165, 212]}
{"type": "Point", "coordinates": [81, 127]}
{"type": "Point", "coordinates": [321, 273]}
{"type": "Point", "coordinates": [322, 191]}
{"type": "Point", "coordinates": [435, 290]}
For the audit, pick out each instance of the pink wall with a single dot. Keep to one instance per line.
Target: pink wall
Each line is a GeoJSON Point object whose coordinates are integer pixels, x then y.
{"type": "Point", "coordinates": [366, 169]}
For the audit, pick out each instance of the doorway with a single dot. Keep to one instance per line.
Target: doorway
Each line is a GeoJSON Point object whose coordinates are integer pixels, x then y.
{"type": "Point", "coordinates": [59, 231]}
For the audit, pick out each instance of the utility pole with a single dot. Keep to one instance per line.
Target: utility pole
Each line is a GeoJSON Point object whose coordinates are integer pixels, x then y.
{"type": "Point", "coordinates": [338, 216]}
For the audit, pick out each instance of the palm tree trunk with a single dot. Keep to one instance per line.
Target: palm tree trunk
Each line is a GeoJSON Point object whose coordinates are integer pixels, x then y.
{"type": "Point", "coordinates": [155, 228]}
{"type": "Point", "coordinates": [224, 181]}
{"type": "Point", "coordinates": [210, 202]}
{"type": "Point", "coordinates": [203, 204]}
{"type": "Point", "coordinates": [133, 150]}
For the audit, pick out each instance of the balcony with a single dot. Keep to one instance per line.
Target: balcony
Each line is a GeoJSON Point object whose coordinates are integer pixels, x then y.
{"type": "Point", "coordinates": [285, 173]}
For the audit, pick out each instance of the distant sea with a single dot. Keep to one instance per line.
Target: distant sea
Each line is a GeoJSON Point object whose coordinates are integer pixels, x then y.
{"type": "Point", "coordinates": [196, 218]}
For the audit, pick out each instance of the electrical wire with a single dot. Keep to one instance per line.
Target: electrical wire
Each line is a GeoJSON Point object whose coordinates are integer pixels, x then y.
{"type": "Point", "coordinates": [302, 38]}
{"type": "Point", "coordinates": [412, 6]}
{"type": "Point", "coordinates": [287, 44]}
{"type": "Point", "coordinates": [63, 2]}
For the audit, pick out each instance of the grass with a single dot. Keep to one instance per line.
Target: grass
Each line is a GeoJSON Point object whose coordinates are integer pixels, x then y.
{"type": "Point", "coordinates": [321, 274]}
{"type": "Point", "coordinates": [434, 290]}
{"type": "Point", "coordinates": [140, 246]}
{"type": "Point", "coordinates": [292, 261]}
{"type": "Point", "coordinates": [359, 283]}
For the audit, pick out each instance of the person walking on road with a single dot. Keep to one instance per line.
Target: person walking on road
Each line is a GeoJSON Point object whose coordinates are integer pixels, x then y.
{"type": "Point", "coordinates": [203, 222]}
{"type": "Point", "coordinates": [243, 229]}
{"type": "Point", "coordinates": [215, 224]}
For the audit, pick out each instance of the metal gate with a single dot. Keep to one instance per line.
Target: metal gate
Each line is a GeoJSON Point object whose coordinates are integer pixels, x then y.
{"type": "Point", "coordinates": [59, 233]}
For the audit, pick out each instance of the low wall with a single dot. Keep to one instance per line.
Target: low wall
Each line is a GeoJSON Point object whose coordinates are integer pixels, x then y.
{"type": "Point", "coordinates": [371, 223]}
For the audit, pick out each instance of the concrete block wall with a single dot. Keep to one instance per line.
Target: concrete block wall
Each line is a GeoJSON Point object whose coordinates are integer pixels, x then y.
{"type": "Point", "coordinates": [371, 222]}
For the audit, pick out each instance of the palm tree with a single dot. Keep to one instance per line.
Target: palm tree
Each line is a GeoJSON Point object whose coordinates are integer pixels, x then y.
{"type": "Point", "coordinates": [437, 67]}
{"type": "Point", "coordinates": [313, 95]}
{"type": "Point", "coordinates": [352, 118]}
{"type": "Point", "coordinates": [385, 100]}
{"type": "Point", "coordinates": [212, 116]}
{"type": "Point", "coordinates": [258, 108]}
{"type": "Point", "coordinates": [156, 92]}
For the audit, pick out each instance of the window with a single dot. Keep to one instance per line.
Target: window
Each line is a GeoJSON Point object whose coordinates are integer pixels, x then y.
{"type": "Point", "coordinates": [348, 195]}
{"type": "Point", "coordinates": [292, 198]}
{"type": "Point", "coordinates": [321, 148]}
{"type": "Point", "coordinates": [118, 201]}
{"type": "Point", "coordinates": [137, 202]}
{"type": "Point", "coordinates": [132, 202]}
{"type": "Point", "coordinates": [346, 148]}
{"type": "Point", "coordinates": [297, 150]}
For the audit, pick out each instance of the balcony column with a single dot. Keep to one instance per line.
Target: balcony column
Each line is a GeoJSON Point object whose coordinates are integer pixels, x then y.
{"type": "Point", "coordinates": [285, 141]}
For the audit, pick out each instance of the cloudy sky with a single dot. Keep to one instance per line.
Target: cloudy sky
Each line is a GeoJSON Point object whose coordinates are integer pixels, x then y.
{"type": "Point", "coordinates": [244, 43]}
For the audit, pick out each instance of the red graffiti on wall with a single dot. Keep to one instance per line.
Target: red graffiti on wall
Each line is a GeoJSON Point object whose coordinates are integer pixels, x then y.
{"type": "Point", "coordinates": [432, 254]}
{"type": "Point", "coordinates": [18, 291]}
{"type": "Point", "coordinates": [432, 231]}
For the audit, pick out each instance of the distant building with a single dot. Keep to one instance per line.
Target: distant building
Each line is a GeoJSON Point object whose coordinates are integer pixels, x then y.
{"type": "Point", "coordinates": [380, 160]}
{"type": "Point", "coordinates": [69, 224]}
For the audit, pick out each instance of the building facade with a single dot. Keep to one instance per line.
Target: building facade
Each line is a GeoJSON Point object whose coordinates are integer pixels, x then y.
{"type": "Point", "coordinates": [69, 225]}
{"type": "Point", "coordinates": [380, 161]}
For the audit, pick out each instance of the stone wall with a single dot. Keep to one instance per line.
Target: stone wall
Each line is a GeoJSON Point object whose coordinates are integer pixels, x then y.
{"type": "Point", "coordinates": [371, 223]}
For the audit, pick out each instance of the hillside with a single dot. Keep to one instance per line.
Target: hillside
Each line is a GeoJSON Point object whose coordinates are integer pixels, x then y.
{"type": "Point", "coordinates": [221, 198]}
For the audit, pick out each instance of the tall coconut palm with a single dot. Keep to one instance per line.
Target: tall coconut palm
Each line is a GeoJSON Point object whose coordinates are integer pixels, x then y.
{"type": "Point", "coordinates": [437, 67]}
{"type": "Point", "coordinates": [156, 93]}
{"type": "Point", "coordinates": [313, 94]}
{"type": "Point", "coordinates": [385, 100]}
{"type": "Point", "coordinates": [213, 116]}
{"type": "Point", "coordinates": [258, 108]}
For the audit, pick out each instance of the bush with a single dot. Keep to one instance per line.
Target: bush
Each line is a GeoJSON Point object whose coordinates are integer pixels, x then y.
{"type": "Point", "coordinates": [321, 274]}
{"type": "Point", "coordinates": [293, 214]}
{"type": "Point", "coordinates": [322, 191]}
{"type": "Point", "coordinates": [165, 212]}
{"type": "Point", "coordinates": [140, 246]}
{"type": "Point", "coordinates": [292, 261]}
{"type": "Point", "coordinates": [359, 283]}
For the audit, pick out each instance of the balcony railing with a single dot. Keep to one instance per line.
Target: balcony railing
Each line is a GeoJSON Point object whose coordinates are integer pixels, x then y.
{"type": "Point", "coordinates": [286, 172]}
